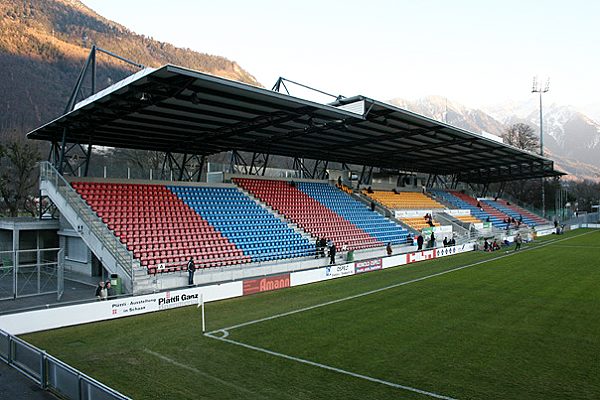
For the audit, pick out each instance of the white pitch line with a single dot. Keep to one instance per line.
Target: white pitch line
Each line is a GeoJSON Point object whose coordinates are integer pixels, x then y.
{"type": "Point", "coordinates": [370, 292]}
{"type": "Point", "coordinates": [330, 368]}
{"type": "Point", "coordinates": [578, 246]}
{"type": "Point", "coordinates": [197, 371]}
{"type": "Point", "coordinates": [225, 331]}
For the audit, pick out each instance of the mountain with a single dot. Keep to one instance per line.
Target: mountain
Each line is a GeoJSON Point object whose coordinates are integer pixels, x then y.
{"type": "Point", "coordinates": [44, 43]}
{"type": "Point", "coordinates": [568, 132]}
{"type": "Point", "coordinates": [452, 113]}
{"type": "Point", "coordinates": [571, 138]}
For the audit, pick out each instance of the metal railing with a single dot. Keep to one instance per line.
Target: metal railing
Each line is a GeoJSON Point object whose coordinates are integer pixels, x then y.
{"type": "Point", "coordinates": [525, 206]}
{"type": "Point", "coordinates": [587, 218]}
{"type": "Point", "coordinates": [122, 256]}
{"type": "Point", "coordinates": [28, 272]}
{"type": "Point", "coordinates": [51, 373]}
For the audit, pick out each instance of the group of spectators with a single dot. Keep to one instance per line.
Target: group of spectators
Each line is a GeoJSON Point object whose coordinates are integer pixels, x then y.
{"type": "Point", "coordinates": [325, 247]}
{"type": "Point", "coordinates": [105, 291]}
{"type": "Point", "coordinates": [421, 241]}
{"type": "Point", "coordinates": [449, 242]}
{"type": "Point", "coordinates": [493, 246]}
{"type": "Point", "coordinates": [511, 220]}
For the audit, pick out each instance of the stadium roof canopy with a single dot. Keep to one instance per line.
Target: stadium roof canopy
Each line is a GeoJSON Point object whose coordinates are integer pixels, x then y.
{"type": "Point", "coordinates": [177, 110]}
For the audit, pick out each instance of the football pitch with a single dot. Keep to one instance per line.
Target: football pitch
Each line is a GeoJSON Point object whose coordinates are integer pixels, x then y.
{"type": "Point", "coordinates": [503, 325]}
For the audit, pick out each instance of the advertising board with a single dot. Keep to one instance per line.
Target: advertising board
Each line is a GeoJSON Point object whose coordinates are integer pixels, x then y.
{"type": "Point", "coordinates": [420, 256]}
{"type": "Point", "coordinates": [336, 271]}
{"type": "Point", "coordinates": [266, 284]}
{"type": "Point", "coordinates": [458, 212]}
{"type": "Point", "coordinates": [411, 213]}
{"type": "Point", "coordinates": [368, 265]}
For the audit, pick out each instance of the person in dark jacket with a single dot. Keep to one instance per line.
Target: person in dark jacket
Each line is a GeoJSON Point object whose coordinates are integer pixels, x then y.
{"type": "Point", "coordinates": [110, 291]}
{"type": "Point", "coordinates": [432, 240]}
{"type": "Point", "coordinates": [323, 245]}
{"type": "Point", "coordinates": [332, 250]}
{"type": "Point", "coordinates": [420, 242]}
{"type": "Point", "coordinates": [317, 247]}
{"type": "Point", "coordinates": [191, 267]}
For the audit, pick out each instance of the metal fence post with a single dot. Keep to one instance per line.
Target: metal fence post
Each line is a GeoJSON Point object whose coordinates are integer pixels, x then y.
{"type": "Point", "coordinates": [10, 354]}
{"type": "Point", "coordinates": [43, 369]}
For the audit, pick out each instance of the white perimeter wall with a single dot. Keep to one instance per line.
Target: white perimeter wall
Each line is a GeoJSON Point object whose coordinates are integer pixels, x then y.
{"type": "Point", "coordinates": [39, 320]}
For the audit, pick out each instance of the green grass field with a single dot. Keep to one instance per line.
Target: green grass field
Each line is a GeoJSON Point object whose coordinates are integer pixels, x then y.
{"type": "Point", "coordinates": [522, 326]}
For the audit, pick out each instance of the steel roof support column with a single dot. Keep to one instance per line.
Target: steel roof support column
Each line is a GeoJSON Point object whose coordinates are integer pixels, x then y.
{"type": "Point", "coordinates": [200, 167]}
{"type": "Point", "coordinates": [237, 159]}
{"type": "Point", "coordinates": [258, 165]}
{"type": "Point", "coordinates": [87, 158]}
{"type": "Point", "coordinates": [500, 191]}
{"type": "Point", "coordinates": [191, 167]}
{"type": "Point", "coordinates": [164, 165]}
{"type": "Point", "coordinates": [300, 168]}
{"type": "Point", "coordinates": [484, 189]}
{"type": "Point", "coordinates": [431, 181]}
{"type": "Point", "coordinates": [365, 175]}
{"type": "Point", "coordinates": [320, 169]}
{"type": "Point", "coordinates": [181, 170]}
{"type": "Point", "coordinates": [454, 183]}
{"type": "Point", "coordinates": [428, 179]}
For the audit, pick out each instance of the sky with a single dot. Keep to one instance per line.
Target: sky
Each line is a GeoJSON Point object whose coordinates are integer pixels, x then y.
{"type": "Point", "coordinates": [478, 53]}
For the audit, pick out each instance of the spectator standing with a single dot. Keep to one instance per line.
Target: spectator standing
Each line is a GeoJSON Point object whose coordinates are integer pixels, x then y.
{"type": "Point", "coordinates": [420, 242]}
{"type": "Point", "coordinates": [432, 240]}
{"type": "Point", "coordinates": [317, 247]}
{"type": "Point", "coordinates": [445, 241]}
{"type": "Point", "coordinates": [191, 267]}
{"type": "Point", "coordinates": [388, 249]}
{"type": "Point", "coordinates": [323, 244]}
{"type": "Point", "coordinates": [110, 291]}
{"type": "Point", "coordinates": [101, 293]}
{"type": "Point", "coordinates": [332, 254]}
{"type": "Point", "coordinates": [518, 241]}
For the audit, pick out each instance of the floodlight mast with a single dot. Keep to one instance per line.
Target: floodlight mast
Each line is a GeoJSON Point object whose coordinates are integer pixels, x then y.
{"type": "Point", "coordinates": [536, 88]}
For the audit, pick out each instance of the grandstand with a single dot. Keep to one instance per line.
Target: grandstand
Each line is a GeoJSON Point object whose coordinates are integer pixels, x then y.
{"type": "Point", "coordinates": [190, 116]}
{"type": "Point", "coordinates": [518, 214]}
{"type": "Point", "coordinates": [326, 212]}
{"type": "Point", "coordinates": [404, 200]}
{"type": "Point", "coordinates": [251, 227]}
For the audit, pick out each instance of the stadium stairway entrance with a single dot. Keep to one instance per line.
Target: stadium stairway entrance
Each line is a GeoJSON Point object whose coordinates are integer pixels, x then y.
{"type": "Point", "coordinates": [114, 256]}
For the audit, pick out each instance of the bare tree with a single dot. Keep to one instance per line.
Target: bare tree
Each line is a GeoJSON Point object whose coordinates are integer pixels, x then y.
{"type": "Point", "coordinates": [522, 136]}
{"type": "Point", "coordinates": [18, 176]}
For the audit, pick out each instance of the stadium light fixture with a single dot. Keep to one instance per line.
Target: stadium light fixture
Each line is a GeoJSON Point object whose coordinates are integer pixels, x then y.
{"type": "Point", "coordinates": [536, 88]}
